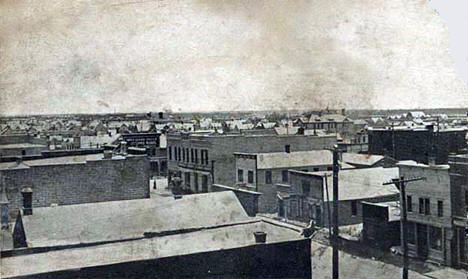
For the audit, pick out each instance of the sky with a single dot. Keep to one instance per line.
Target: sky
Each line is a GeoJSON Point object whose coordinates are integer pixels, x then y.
{"type": "Point", "coordinates": [212, 55]}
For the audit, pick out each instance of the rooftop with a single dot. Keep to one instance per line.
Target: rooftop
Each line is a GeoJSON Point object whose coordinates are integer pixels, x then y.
{"type": "Point", "coordinates": [118, 220]}
{"type": "Point", "coordinates": [21, 145]}
{"type": "Point", "coordinates": [293, 159]}
{"type": "Point", "coordinates": [361, 159]}
{"type": "Point", "coordinates": [214, 239]}
{"type": "Point", "coordinates": [412, 163]}
{"type": "Point", "coordinates": [65, 160]}
{"type": "Point", "coordinates": [358, 184]}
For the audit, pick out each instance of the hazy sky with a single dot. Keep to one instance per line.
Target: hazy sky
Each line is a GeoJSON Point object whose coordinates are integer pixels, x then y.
{"type": "Point", "coordinates": [199, 55]}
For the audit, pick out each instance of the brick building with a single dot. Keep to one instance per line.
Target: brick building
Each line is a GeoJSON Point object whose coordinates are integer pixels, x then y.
{"type": "Point", "coordinates": [418, 144]}
{"type": "Point", "coordinates": [76, 179]}
{"type": "Point", "coordinates": [203, 159]}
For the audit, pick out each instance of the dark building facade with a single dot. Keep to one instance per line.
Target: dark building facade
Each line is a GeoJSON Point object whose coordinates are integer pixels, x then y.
{"type": "Point", "coordinates": [459, 181]}
{"type": "Point", "coordinates": [76, 179]}
{"type": "Point", "coordinates": [417, 144]}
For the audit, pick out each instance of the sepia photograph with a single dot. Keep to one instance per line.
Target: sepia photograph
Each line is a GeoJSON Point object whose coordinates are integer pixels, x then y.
{"type": "Point", "coordinates": [206, 139]}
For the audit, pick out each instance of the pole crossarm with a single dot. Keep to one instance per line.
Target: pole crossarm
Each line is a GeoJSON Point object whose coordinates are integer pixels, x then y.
{"type": "Point", "coordinates": [398, 180]}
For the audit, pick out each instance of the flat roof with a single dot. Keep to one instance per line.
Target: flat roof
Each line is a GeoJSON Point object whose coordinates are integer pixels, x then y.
{"type": "Point", "coordinates": [412, 163]}
{"type": "Point", "coordinates": [63, 160]}
{"type": "Point", "coordinates": [228, 237]}
{"type": "Point", "coordinates": [361, 159]}
{"type": "Point", "coordinates": [292, 159]}
{"type": "Point", "coordinates": [129, 219]}
{"type": "Point", "coordinates": [356, 184]}
{"type": "Point", "coordinates": [21, 145]}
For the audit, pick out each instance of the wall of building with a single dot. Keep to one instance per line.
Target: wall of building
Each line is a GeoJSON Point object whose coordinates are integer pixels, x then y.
{"type": "Point", "coordinates": [248, 199]}
{"type": "Point", "coordinates": [416, 145]}
{"type": "Point", "coordinates": [93, 181]}
{"type": "Point", "coordinates": [21, 151]}
{"type": "Point", "coordinates": [291, 259]}
{"type": "Point", "coordinates": [221, 161]}
{"type": "Point", "coordinates": [436, 187]}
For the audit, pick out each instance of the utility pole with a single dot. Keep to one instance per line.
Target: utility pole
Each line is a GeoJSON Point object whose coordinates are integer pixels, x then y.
{"type": "Point", "coordinates": [393, 140]}
{"type": "Point", "coordinates": [335, 262]}
{"type": "Point", "coordinates": [400, 183]}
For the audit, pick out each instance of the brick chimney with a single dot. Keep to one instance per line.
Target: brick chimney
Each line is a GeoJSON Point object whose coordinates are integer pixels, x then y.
{"type": "Point", "coordinates": [27, 201]}
{"type": "Point", "coordinates": [260, 237]}
{"type": "Point", "coordinates": [123, 147]}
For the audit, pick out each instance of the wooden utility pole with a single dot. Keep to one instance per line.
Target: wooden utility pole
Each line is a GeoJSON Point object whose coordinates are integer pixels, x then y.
{"type": "Point", "coordinates": [335, 240]}
{"type": "Point", "coordinates": [400, 183]}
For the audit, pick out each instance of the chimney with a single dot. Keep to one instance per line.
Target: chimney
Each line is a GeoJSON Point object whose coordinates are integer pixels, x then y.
{"type": "Point", "coordinates": [260, 237]}
{"type": "Point", "coordinates": [107, 154]}
{"type": "Point", "coordinates": [27, 201]}
{"type": "Point", "coordinates": [123, 147]}
{"type": "Point", "coordinates": [432, 161]}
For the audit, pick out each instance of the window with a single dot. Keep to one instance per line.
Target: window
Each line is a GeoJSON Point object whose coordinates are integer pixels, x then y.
{"type": "Point", "coordinates": [284, 176]}
{"type": "Point", "coordinates": [192, 158]}
{"type": "Point", "coordinates": [421, 206]}
{"type": "Point", "coordinates": [287, 148]}
{"type": "Point", "coordinates": [240, 175]}
{"type": "Point", "coordinates": [305, 187]}
{"type": "Point", "coordinates": [440, 208]}
{"type": "Point", "coordinates": [427, 206]}
{"type": "Point", "coordinates": [187, 179]}
{"type": "Point", "coordinates": [353, 208]}
{"type": "Point", "coordinates": [316, 169]}
{"type": "Point", "coordinates": [195, 180]}
{"type": "Point", "coordinates": [206, 157]}
{"type": "Point", "coordinates": [409, 203]}
{"type": "Point", "coordinates": [183, 154]}
{"type": "Point", "coordinates": [435, 237]}
{"type": "Point", "coordinates": [196, 156]}
{"type": "Point", "coordinates": [250, 177]}
{"type": "Point", "coordinates": [170, 153]}
{"type": "Point", "coordinates": [205, 183]}
{"type": "Point", "coordinates": [268, 177]}
{"type": "Point", "coordinates": [466, 198]}
{"type": "Point", "coordinates": [329, 168]}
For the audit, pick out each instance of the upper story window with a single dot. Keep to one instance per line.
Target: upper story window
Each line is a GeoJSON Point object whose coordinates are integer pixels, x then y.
{"type": "Point", "coordinates": [425, 206]}
{"type": "Point", "coordinates": [250, 177]}
{"type": "Point", "coordinates": [284, 176]}
{"type": "Point", "coordinates": [305, 187]}
{"type": "Point", "coordinates": [268, 179]}
{"type": "Point", "coordinates": [353, 208]}
{"type": "Point", "coordinates": [169, 151]}
{"type": "Point", "coordinates": [440, 208]}
{"type": "Point", "coordinates": [240, 175]}
{"type": "Point", "coordinates": [409, 203]}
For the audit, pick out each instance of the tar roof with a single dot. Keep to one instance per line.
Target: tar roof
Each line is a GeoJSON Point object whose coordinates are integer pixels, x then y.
{"type": "Point", "coordinates": [359, 184]}
{"type": "Point", "coordinates": [20, 145]}
{"type": "Point", "coordinates": [294, 159]}
{"type": "Point", "coordinates": [229, 237]}
{"type": "Point", "coordinates": [361, 159]}
{"type": "Point", "coordinates": [117, 220]}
